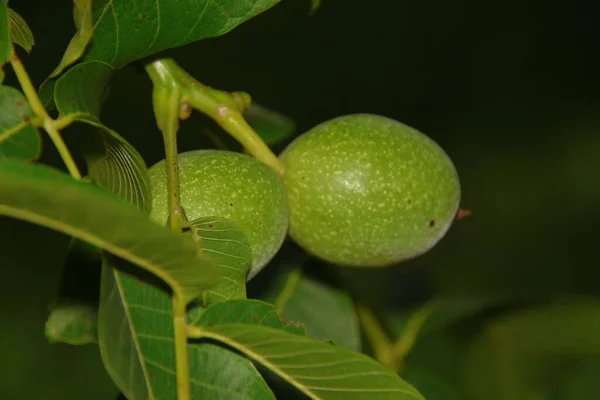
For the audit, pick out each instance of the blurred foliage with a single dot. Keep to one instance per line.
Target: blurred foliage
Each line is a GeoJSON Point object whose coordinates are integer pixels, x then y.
{"type": "Point", "coordinates": [509, 89]}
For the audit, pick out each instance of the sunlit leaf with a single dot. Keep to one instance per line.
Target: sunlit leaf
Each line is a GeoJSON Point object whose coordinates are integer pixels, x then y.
{"type": "Point", "coordinates": [82, 16]}
{"type": "Point", "coordinates": [73, 324]}
{"type": "Point", "coordinates": [48, 197]}
{"type": "Point", "coordinates": [224, 241]}
{"type": "Point", "coordinates": [318, 370]}
{"type": "Point", "coordinates": [136, 342]}
{"type": "Point", "coordinates": [19, 31]}
{"type": "Point", "coordinates": [18, 138]}
{"type": "Point", "coordinates": [271, 126]}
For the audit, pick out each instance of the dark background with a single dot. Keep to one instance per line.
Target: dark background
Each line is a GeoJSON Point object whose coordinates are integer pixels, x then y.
{"type": "Point", "coordinates": [510, 89]}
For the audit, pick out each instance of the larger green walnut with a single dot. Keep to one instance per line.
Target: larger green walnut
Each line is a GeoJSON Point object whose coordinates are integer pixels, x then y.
{"type": "Point", "coordinates": [229, 185]}
{"type": "Point", "coordinates": [368, 191]}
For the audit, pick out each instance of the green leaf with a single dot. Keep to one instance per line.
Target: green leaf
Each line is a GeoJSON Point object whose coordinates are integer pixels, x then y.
{"type": "Point", "coordinates": [115, 165]}
{"type": "Point", "coordinates": [46, 94]}
{"type": "Point", "coordinates": [136, 343]}
{"type": "Point", "coordinates": [19, 31]}
{"type": "Point", "coordinates": [82, 16]}
{"type": "Point", "coordinates": [319, 370]}
{"type": "Point", "coordinates": [18, 138]}
{"type": "Point", "coordinates": [48, 197]}
{"type": "Point", "coordinates": [123, 34]}
{"type": "Point", "coordinates": [80, 91]}
{"type": "Point", "coordinates": [327, 312]}
{"type": "Point", "coordinates": [270, 125]}
{"type": "Point", "coordinates": [224, 241]}
{"type": "Point", "coordinates": [432, 386]}
{"type": "Point", "coordinates": [5, 42]}
{"type": "Point", "coordinates": [112, 162]}
{"type": "Point", "coordinates": [73, 324]}
{"type": "Point", "coordinates": [252, 312]}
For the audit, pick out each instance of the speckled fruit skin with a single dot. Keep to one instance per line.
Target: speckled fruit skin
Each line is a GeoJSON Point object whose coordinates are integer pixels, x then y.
{"type": "Point", "coordinates": [230, 185]}
{"type": "Point", "coordinates": [368, 191]}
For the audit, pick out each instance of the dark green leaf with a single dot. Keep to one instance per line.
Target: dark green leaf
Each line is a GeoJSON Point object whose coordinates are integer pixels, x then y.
{"type": "Point", "coordinates": [82, 16]}
{"type": "Point", "coordinates": [432, 386]}
{"type": "Point", "coordinates": [253, 312]}
{"type": "Point", "coordinates": [80, 91]}
{"type": "Point", "coordinates": [222, 240]}
{"type": "Point", "coordinates": [115, 165]}
{"type": "Point", "coordinates": [19, 31]}
{"type": "Point", "coordinates": [270, 125]}
{"type": "Point", "coordinates": [327, 312]}
{"type": "Point", "coordinates": [48, 197]}
{"type": "Point", "coordinates": [18, 138]}
{"type": "Point", "coordinates": [123, 34]}
{"type": "Point", "coordinates": [136, 341]}
{"type": "Point", "coordinates": [73, 324]}
{"type": "Point", "coordinates": [5, 42]}
{"type": "Point", "coordinates": [319, 370]}
{"type": "Point", "coordinates": [512, 355]}
{"type": "Point", "coordinates": [46, 94]}
{"type": "Point", "coordinates": [112, 162]}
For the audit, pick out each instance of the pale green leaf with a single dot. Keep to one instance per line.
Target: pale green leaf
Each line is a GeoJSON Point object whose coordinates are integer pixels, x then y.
{"type": "Point", "coordinates": [224, 241]}
{"type": "Point", "coordinates": [73, 324]}
{"type": "Point", "coordinates": [18, 138]}
{"type": "Point", "coordinates": [48, 197]}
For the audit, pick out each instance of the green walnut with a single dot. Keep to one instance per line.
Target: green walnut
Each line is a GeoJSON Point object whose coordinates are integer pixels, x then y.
{"type": "Point", "coordinates": [368, 191]}
{"type": "Point", "coordinates": [229, 185]}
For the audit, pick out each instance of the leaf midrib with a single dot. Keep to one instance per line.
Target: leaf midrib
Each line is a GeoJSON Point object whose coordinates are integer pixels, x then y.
{"type": "Point", "coordinates": [58, 225]}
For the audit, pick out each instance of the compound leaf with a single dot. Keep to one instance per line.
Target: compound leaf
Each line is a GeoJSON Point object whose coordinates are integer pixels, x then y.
{"type": "Point", "coordinates": [45, 196]}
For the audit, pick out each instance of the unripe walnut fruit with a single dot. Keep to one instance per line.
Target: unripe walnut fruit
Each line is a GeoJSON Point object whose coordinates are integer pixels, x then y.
{"type": "Point", "coordinates": [230, 185]}
{"type": "Point", "coordinates": [368, 191]}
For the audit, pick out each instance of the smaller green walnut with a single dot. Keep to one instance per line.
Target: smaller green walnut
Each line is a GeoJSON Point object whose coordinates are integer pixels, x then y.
{"type": "Point", "coordinates": [229, 185]}
{"type": "Point", "coordinates": [368, 191]}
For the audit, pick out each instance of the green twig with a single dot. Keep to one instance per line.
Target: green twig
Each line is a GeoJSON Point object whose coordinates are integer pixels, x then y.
{"type": "Point", "coordinates": [377, 337]}
{"type": "Point", "coordinates": [225, 108]}
{"type": "Point", "coordinates": [167, 110]}
{"type": "Point", "coordinates": [182, 367]}
{"type": "Point", "coordinates": [406, 341]}
{"type": "Point", "coordinates": [49, 124]}
{"type": "Point", "coordinates": [290, 284]}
